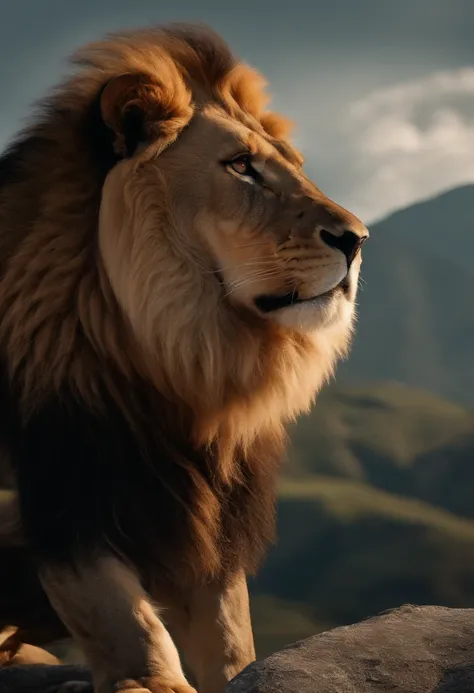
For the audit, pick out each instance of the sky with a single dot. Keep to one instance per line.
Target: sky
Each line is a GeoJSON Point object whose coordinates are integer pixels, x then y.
{"type": "Point", "coordinates": [382, 92]}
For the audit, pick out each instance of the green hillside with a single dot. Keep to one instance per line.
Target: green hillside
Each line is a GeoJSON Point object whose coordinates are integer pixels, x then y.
{"type": "Point", "coordinates": [370, 512]}
{"type": "Point", "coordinates": [387, 435]}
{"type": "Point", "coordinates": [346, 551]}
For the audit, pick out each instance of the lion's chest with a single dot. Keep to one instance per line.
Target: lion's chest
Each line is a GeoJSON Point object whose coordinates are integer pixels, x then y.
{"type": "Point", "coordinates": [89, 482]}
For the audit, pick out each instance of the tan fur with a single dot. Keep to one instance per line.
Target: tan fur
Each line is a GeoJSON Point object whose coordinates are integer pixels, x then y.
{"type": "Point", "coordinates": [213, 630]}
{"type": "Point", "coordinates": [140, 280]}
{"type": "Point", "coordinates": [117, 627]}
{"type": "Point", "coordinates": [14, 652]}
{"type": "Point", "coordinates": [26, 655]}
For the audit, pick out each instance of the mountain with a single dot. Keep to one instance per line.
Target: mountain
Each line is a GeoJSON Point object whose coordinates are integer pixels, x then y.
{"type": "Point", "coordinates": [416, 317]}
{"type": "Point", "coordinates": [443, 225]}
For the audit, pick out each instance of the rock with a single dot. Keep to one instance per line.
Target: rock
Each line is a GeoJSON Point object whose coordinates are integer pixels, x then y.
{"type": "Point", "coordinates": [413, 649]}
{"type": "Point", "coordinates": [42, 678]}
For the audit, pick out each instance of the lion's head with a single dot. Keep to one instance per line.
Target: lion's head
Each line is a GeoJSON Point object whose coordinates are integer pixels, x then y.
{"type": "Point", "coordinates": [166, 193]}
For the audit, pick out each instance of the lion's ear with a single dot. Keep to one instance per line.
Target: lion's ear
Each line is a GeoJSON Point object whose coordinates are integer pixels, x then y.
{"type": "Point", "coordinates": [139, 110]}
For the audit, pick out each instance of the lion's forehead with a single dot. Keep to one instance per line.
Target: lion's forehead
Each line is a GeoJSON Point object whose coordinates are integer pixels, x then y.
{"type": "Point", "coordinates": [233, 131]}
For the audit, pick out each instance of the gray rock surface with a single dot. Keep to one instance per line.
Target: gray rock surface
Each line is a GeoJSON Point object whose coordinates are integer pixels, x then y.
{"type": "Point", "coordinates": [427, 649]}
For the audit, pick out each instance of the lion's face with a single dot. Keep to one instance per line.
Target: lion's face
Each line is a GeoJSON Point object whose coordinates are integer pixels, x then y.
{"type": "Point", "coordinates": [273, 242]}
{"type": "Point", "coordinates": [212, 230]}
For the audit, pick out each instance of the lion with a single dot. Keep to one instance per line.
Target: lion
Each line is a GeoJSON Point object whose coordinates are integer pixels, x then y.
{"type": "Point", "coordinates": [173, 291]}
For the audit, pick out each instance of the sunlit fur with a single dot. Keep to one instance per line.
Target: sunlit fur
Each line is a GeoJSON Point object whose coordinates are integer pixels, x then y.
{"type": "Point", "coordinates": [107, 271]}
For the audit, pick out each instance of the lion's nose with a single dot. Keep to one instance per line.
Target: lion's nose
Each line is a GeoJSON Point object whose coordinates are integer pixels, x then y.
{"type": "Point", "coordinates": [347, 242]}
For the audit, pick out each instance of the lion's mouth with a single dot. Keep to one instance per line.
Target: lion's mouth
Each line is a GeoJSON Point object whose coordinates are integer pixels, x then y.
{"type": "Point", "coordinates": [270, 303]}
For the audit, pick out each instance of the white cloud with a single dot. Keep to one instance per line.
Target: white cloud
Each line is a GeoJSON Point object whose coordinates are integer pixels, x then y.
{"type": "Point", "coordinates": [397, 145]}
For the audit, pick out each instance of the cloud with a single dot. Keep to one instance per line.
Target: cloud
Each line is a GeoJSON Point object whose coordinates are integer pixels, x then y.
{"type": "Point", "coordinates": [397, 145]}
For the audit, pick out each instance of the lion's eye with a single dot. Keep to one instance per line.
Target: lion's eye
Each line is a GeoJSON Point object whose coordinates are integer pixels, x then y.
{"type": "Point", "coordinates": [243, 165]}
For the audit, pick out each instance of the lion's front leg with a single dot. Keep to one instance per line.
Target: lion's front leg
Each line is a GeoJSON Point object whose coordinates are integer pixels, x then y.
{"type": "Point", "coordinates": [109, 614]}
{"type": "Point", "coordinates": [215, 633]}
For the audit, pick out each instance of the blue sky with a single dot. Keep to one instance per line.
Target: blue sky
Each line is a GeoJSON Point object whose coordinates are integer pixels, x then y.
{"type": "Point", "coordinates": [383, 93]}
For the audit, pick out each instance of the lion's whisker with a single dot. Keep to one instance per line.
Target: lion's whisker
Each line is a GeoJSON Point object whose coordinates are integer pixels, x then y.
{"type": "Point", "coordinates": [250, 280]}
{"type": "Point", "coordinates": [255, 275]}
{"type": "Point", "coordinates": [250, 263]}
{"type": "Point", "coordinates": [248, 245]}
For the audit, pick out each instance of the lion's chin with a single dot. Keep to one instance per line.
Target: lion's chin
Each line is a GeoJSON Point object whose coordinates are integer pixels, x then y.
{"type": "Point", "coordinates": [271, 303]}
{"type": "Point", "coordinates": [308, 314]}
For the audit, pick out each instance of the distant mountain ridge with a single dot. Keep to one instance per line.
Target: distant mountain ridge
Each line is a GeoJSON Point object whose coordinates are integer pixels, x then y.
{"type": "Point", "coordinates": [447, 220]}
{"type": "Point", "coordinates": [416, 314]}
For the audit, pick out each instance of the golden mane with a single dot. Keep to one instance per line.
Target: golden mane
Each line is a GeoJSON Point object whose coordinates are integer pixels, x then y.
{"type": "Point", "coordinates": [218, 378]}
{"type": "Point", "coordinates": [51, 245]}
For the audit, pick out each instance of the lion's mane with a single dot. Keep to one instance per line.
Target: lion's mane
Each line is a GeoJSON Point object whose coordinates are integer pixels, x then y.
{"type": "Point", "coordinates": [189, 441]}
